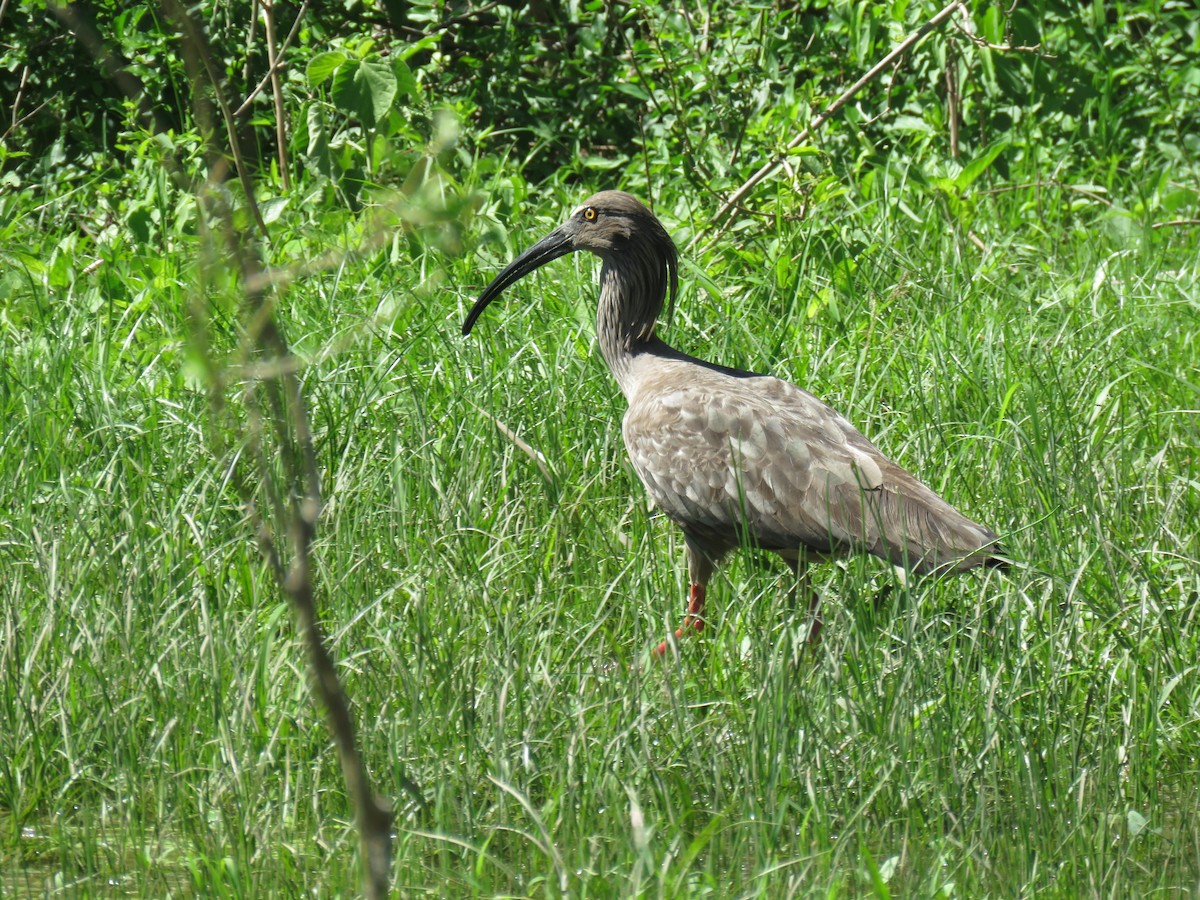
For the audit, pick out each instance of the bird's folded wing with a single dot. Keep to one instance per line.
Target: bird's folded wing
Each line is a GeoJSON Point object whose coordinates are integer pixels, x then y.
{"type": "Point", "coordinates": [725, 454]}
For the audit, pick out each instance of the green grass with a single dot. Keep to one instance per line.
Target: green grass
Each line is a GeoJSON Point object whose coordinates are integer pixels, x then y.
{"type": "Point", "coordinates": [987, 735]}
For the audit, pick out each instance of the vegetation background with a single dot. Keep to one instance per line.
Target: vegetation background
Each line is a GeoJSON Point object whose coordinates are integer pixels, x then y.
{"type": "Point", "coordinates": [989, 260]}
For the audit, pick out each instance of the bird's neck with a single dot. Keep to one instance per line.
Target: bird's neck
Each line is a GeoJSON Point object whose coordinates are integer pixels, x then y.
{"type": "Point", "coordinates": [630, 300]}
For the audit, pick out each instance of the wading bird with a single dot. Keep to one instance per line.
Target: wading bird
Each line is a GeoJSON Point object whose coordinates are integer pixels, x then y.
{"type": "Point", "coordinates": [733, 457]}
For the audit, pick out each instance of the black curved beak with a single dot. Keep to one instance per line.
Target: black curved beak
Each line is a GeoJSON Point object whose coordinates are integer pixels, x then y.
{"type": "Point", "coordinates": [557, 243]}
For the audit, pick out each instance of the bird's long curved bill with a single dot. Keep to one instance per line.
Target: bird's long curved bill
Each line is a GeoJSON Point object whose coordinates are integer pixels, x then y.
{"type": "Point", "coordinates": [552, 246]}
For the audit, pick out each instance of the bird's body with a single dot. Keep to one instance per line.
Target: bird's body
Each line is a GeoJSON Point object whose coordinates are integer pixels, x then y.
{"type": "Point", "coordinates": [719, 448]}
{"type": "Point", "coordinates": [733, 457]}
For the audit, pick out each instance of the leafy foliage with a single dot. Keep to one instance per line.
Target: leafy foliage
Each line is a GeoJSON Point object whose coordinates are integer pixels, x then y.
{"type": "Point", "coordinates": [649, 91]}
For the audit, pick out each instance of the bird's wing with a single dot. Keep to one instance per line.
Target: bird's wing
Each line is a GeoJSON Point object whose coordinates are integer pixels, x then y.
{"type": "Point", "coordinates": [720, 453]}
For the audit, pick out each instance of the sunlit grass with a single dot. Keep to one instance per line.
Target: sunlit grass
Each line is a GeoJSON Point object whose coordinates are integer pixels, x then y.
{"type": "Point", "coordinates": [1033, 732]}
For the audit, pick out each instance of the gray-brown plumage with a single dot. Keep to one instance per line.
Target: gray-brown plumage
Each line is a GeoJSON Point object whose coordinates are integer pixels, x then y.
{"type": "Point", "coordinates": [732, 456]}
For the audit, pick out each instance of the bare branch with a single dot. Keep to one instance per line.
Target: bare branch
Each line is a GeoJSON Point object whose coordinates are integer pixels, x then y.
{"type": "Point", "coordinates": [953, 101]}
{"type": "Point", "coordinates": [275, 65]}
{"type": "Point", "coordinates": [198, 53]}
{"type": "Point", "coordinates": [969, 33]}
{"type": "Point", "coordinates": [276, 461]}
{"type": "Point", "coordinates": [723, 215]}
{"type": "Point", "coordinates": [273, 58]}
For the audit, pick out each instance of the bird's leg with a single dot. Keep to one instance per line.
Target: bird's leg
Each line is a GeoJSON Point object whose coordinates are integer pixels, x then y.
{"type": "Point", "coordinates": [695, 612]}
{"type": "Point", "coordinates": [693, 620]}
{"type": "Point", "coordinates": [700, 569]}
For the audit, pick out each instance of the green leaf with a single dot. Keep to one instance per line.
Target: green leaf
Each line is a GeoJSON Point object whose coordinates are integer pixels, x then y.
{"type": "Point", "coordinates": [345, 93]}
{"type": "Point", "coordinates": [317, 153]}
{"type": "Point", "coordinates": [603, 163]}
{"type": "Point", "coordinates": [1136, 822]}
{"type": "Point", "coordinates": [877, 879]}
{"type": "Point", "coordinates": [406, 84]}
{"type": "Point", "coordinates": [379, 86]}
{"type": "Point", "coordinates": [701, 277]}
{"type": "Point", "coordinates": [365, 89]}
{"type": "Point", "coordinates": [911, 124]}
{"type": "Point", "coordinates": [273, 208]}
{"type": "Point", "coordinates": [322, 66]}
{"type": "Point", "coordinates": [695, 848]}
{"type": "Point", "coordinates": [429, 42]}
{"type": "Point", "coordinates": [633, 90]}
{"type": "Point", "coordinates": [978, 166]}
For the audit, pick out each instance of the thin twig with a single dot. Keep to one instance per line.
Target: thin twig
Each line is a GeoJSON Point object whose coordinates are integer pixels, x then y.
{"type": "Point", "coordinates": [462, 17]}
{"type": "Point", "coordinates": [273, 66]}
{"type": "Point", "coordinates": [418, 34]}
{"type": "Point", "coordinates": [250, 50]}
{"type": "Point", "coordinates": [532, 452]}
{"type": "Point", "coordinates": [195, 42]}
{"type": "Point", "coordinates": [295, 503]}
{"type": "Point", "coordinates": [969, 32]}
{"type": "Point", "coordinates": [952, 99]}
{"type": "Point", "coordinates": [273, 58]}
{"type": "Point", "coordinates": [25, 118]}
{"type": "Point", "coordinates": [294, 499]}
{"type": "Point", "coordinates": [16, 107]}
{"type": "Point", "coordinates": [720, 219]}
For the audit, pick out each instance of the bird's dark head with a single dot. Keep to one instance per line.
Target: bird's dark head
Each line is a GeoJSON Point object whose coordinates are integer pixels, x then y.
{"type": "Point", "coordinates": [615, 222]}
{"type": "Point", "coordinates": [616, 227]}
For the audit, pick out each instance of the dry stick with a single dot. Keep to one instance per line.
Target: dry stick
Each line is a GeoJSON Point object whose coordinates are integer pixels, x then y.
{"type": "Point", "coordinates": [725, 213]}
{"type": "Point", "coordinates": [273, 67]}
{"type": "Point", "coordinates": [1007, 46]}
{"type": "Point", "coordinates": [522, 445]}
{"type": "Point", "coordinates": [249, 45]}
{"type": "Point", "coordinates": [462, 17]}
{"type": "Point", "coordinates": [17, 123]}
{"type": "Point", "coordinates": [295, 506]}
{"type": "Point", "coordinates": [286, 405]}
{"type": "Point", "coordinates": [373, 813]}
{"type": "Point", "coordinates": [416, 34]}
{"type": "Point", "coordinates": [16, 107]}
{"type": "Point", "coordinates": [268, 8]}
{"type": "Point", "coordinates": [299, 516]}
{"type": "Point", "coordinates": [303, 490]}
{"type": "Point", "coordinates": [952, 100]}
{"type": "Point", "coordinates": [195, 39]}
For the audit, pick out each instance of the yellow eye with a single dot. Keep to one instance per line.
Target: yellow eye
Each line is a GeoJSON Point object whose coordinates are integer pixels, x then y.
{"type": "Point", "coordinates": [589, 214]}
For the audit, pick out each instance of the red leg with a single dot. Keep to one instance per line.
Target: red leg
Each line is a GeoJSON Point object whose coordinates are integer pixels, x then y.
{"type": "Point", "coordinates": [695, 613]}
{"type": "Point", "coordinates": [700, 568]}
{"type": "Point", "coordinates": [693, 620]}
